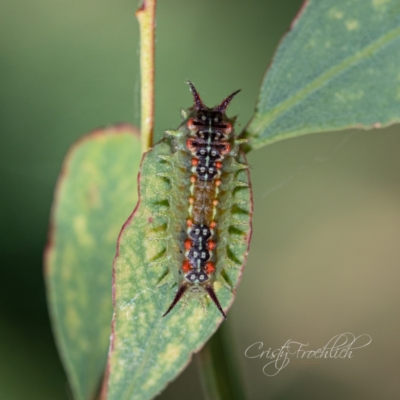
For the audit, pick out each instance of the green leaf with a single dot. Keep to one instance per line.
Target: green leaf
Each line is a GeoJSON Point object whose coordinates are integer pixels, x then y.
{"type": "Point", "coordinates": [337, 68]}
{"type": "Point", "coordinates": [147, 351]}
{"type": "Point", "coordinates": [95, 194]}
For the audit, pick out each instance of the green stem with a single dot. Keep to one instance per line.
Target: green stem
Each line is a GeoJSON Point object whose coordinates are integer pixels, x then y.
{"type": "Point", "coordinates": [146, 16]}
{"type": "Point", "coordinates": [218, 369]}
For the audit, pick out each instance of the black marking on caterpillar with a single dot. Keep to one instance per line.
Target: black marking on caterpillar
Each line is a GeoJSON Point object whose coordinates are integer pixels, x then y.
{"type": "Point", "coordinates": [201, 172]}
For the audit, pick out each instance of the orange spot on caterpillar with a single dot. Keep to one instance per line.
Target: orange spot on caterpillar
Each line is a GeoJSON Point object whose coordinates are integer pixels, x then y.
{"type": "Point", "coordinates": [218, 164]}
{"type": "Point", "coordinates": [193, 179]}
{"type": "Point", "coordinates": [218, 182]}
{"type": "Point", "coordinates": [213, 224]}
{"type": "Point", "coordinates": [210, 268]}
{"type": "Point", "coordinates": [226, 149]}
{"type": "Point", "coordinates": [189, 222]}
{"type": "Point", "coordinates": [191, 125]}
{"type": "Point", "coordinates": [189, 144]}
{"type": "Point", "coordinates": [191, 200]}
{"type": "Point", "coordinates": [188, 244]}
{"type": "Point", "coordinates": [186, 266]}
{"type": "Point", "coordinates": [211, 245]}
{"type": "Point", "coordinates": [215, 202]}
{"type": "Point", "coordinates": [194, 161]}
{"type": "Point", "coordinates": [228, 128]}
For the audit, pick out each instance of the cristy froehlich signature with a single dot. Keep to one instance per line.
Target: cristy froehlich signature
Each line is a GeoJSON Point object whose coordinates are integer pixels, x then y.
{"type": "Point", "coordinates": [340, 346]}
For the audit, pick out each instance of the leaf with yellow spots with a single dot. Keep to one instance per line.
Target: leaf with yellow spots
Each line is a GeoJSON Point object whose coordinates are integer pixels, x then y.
{"type": "Point", "coordinates": [147, 351]}
{"type": "Point", "coordinates": [337, 68]}
{"type": "Point", "coordinates": [95, 194]}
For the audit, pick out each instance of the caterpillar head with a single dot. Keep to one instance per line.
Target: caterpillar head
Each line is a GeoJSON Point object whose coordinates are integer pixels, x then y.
{"type": "Point", "coordinates": [203, 116]}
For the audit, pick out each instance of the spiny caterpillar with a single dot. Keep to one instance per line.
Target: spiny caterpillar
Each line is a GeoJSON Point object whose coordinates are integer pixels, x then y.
{"type": "Point", "coordinates": [205, 163]}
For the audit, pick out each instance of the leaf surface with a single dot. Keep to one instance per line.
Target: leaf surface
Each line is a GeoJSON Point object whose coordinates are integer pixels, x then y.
{"type": "Point", "coordinates": [147, 351]}
{"type": "Point", "coordinates": [337, 68]}
{"type": "Point", "coordinates": [95, 194]}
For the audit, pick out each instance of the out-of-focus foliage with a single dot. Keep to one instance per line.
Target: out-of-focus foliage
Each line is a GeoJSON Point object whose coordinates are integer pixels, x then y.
{"type": "Point", "coordinates": [95, 195]}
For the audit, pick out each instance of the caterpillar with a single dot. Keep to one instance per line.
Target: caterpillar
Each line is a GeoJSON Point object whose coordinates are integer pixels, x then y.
{"type": "Point", "coordinates": [205, 159]}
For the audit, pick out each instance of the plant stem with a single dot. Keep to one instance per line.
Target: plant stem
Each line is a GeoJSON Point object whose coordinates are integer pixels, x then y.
{"type": "Point", "coordinates": [218, 369]}
{"type": "Point", "coordinates": [146, 16]}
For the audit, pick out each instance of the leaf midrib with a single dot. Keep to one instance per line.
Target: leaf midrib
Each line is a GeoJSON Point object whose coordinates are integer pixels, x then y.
{"type": "Point", "coordinates": [262, 122]}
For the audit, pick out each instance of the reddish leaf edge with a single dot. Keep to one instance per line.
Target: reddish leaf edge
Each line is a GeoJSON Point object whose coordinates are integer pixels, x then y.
{"type": "Point", "coordinates": [98, 132]}
{"type": "Point", "coordinates": [104, 388]}
{"type": "Point", "coordinates": [116, 129]}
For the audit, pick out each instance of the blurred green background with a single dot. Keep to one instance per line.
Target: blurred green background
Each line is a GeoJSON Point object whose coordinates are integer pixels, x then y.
{"type": "Point", "coordinates": [325, 253]}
